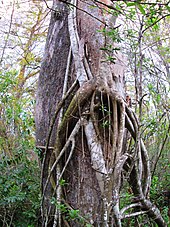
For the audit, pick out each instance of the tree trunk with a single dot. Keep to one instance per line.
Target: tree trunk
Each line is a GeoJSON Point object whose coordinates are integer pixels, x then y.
{"type": "Point", "coordinates": [81, 115]}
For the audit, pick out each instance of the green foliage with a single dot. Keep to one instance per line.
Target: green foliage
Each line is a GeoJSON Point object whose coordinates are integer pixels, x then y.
{"type": "Point", "coordinates": [17, 121]}
{"type": "Point", "coordinates": [62, 182]}
{"type": "Point", "coordinates": [105, 110]}
{"type": "Point", "coordinates": [19, 178]}
{"type": "Point", "coordinates": [112, 33]}
{"type": "Point", "coordinates": [69, 213]}
{"type": "Point", "coordinates": [19, 190]}
{"type": "Point", "coordinates": [126, 198]}
{"type": "Point", "coordinates": [73, 214]}
{"type": "Point", "coordinates": [105, 116]}
{"type": "Point", "coordinates": [158, 189]}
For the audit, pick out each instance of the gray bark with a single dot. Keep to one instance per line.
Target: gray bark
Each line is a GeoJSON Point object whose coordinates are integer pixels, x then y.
{"type": "Point", "coordinates": [50, 83]}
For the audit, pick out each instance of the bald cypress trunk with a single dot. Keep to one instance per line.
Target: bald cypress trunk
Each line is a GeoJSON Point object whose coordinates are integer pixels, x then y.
{"type": "Point", "coordinates": [81, 116]}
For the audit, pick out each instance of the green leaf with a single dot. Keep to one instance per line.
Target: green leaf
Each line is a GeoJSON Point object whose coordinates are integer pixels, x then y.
{"type": "Point", "coordinates": [129, 4]}
{"type": "Point", "coordinates": [53, 200]}
{"type": "Point", "coordinates": [158, 98]}
{"type": "Point", "coordinates": [111, 59]}
{"type": "Point", "coordinates": [62, 182]}
{"type": "Point", "coordinates": [103, 48]}
{"type": "Point", "coordinates": [168, 8]}
{"type": "Point", "coordinates": [140, 7]}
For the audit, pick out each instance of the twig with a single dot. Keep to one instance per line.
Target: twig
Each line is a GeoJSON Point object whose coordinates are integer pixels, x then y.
{"type": "Point", "coordinates": [155, 23]}
{"type": "Point", "coordinates": [9, 30]}
{"type": "Point", "coordinates": [161, 150]}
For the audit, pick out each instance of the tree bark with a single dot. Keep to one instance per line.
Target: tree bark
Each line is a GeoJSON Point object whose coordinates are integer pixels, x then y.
{"type": "Point", "coordinates": [51, 79]}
